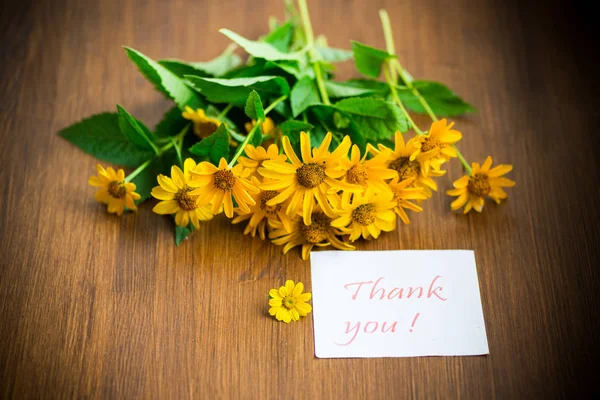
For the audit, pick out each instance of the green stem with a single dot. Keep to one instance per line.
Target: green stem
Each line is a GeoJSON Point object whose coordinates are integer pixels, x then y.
{"type": "Point", "coordinates": [240, 149]}
{"type": "Point", "coordinates": [389, 40]}
{"type": "Point", "coordinates": [178, 139]}
{"type": "Point", "coordinates": [396, 68]}
{"type": "Point", "coordinates": [397, 100]}
{"type": "Point", "coordinates": [464, 162]}
{"type": "Point", "coordinates": [137, 171]}
{"type": "Point", "coordinates": [310, 43]}
{"type": "Point", "coordinates": [321, 83]}
{"type": "Point", "coordinates": [225, 111]}
{"type": "Point", "coordinates": [274, 103]}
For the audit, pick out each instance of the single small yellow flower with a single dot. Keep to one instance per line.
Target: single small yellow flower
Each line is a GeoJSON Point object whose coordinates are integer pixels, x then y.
{"type": "Point", "coordinates": [411, 163]}
{"type": "Point", "coordinates": [319, 233]}
{"type": "Point", "coordinates": [256, 156]}
{"type": "Point", "coordinates": [438, 143]}
{"type": "Point", "coordinates": [177, 197]}
{"type": "Point", "coordinates": [217, 185]}
{"type": "Point", "coordinates": [260, 215]}
{"type": "Point", "coordinates": [403, 192]}
{"type": "Point", "coordinates": [361, 173]}
{"type": "Point", "coordinates": [306, 180]}
{"type": "Point", "coordinates": [367, 215]}
{"type": "Point", "coordinates": [204, 126]}
{"type": "Point", "coordinates": [113, 190]}
{"type": "Point", "coordinates": [267, 127]}
{"type": "Point", "coordinates": [483, 182]}
{"type": "Point", "coordinates": [289, 303]}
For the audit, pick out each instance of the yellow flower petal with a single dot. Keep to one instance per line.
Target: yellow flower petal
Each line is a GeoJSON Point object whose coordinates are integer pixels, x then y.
{"type": "Point", "coordinates": [166, 207]}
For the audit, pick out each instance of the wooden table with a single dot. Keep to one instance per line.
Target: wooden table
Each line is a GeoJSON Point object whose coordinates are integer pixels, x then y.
{"type": "Point", "coordinates": [92, 305]}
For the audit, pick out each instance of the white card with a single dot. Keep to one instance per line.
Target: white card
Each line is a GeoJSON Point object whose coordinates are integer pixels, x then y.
{"type": "Point", "coordinates": [396, 304]}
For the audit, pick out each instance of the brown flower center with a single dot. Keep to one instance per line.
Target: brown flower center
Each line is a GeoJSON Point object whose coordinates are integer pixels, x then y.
{"type": "Point", "coordinates": [364, 214]}
{"type": "Point", "coordinates": [205, 129]}
{"type": "Point", "coordinates": [184, 200]}
{"type": "Point", "coordinates": [117, 190]}
{"type": "Point", "coordinates": [479, 185]}
{"type": "Point", "coordinates": [266, 196]}
{"type": "Point", "coordinates": [317, 231]}
{"type": "Point", "coordinates": [357, 175]}
{"type": "Point", "coordinates": [430, 144]}
{"type": "Point", "coordinates": [224, 180]}
{"type": "Point", "coordinates": [405, 168]}
{"type": "Point", "coordinates": [311, 175]}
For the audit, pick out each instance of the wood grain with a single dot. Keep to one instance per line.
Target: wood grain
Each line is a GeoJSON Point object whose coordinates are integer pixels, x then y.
{"type": "Point", "coordinates": [96, 306]}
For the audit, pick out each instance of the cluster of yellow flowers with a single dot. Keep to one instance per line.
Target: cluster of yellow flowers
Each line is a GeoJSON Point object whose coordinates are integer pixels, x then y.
{"type": "Point", "coordinates": [319, 197]}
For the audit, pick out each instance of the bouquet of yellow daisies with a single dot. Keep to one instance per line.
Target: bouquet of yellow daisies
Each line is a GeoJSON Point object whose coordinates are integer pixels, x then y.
{"type": "Point", "coordinates": [276, 143]}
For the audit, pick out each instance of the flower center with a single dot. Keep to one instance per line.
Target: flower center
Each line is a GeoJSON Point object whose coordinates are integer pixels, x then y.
{"type": "Point", "coordinates": [364, 214]}
{"type": "Point", "coordinates": [184, 200]}
{"type": "Point", "coordinates": [430, 144]}
{"type": "Point", "coordinates": [289, 302]}
{"type": "Point", "coordinates": [117, 190]}
{"type": "Point", "coordinates": [479, 185]}
{"type": "Point", "coordinates": [356, 175]}
{"type": "Point", "coordinates": [224, 180]}
{"type": "Point", "coordinates": [311, 175]}
{"type": "Point", "coordinates": [205, 128]}
{"type": "Point", "coordinates": [266, 196]}
{"type": "Point", "coordinates": [317, 231]}
{"type": "Point", "coordinates": [406, 168]}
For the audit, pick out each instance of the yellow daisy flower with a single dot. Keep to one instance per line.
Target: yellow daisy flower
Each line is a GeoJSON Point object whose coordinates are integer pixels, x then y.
{"type": "Point", "coordinates": [204, 126]}
{"type": "Point", "coordinates": [438, 143]}
{"type": "Point", "coordinates": [261, 214]}
{"type": "Point", "coordinates": [256, 156]}
{"type": "Point", "coordinates": [361, 173]}
{"type": "Point", "coordinates": [367, 215]}
{"type": "Point", "coordinates": [217, 185]}
{"type": "Point", "coordinates": [471, 190]}
{"type": "Point", "coordinates": [318, 233]}
{"type": "Point", "coordinates": [267, 127]}
{"type": "Point", "coordinates": [408, 160]}
{"type": "Point", "coordinates": [289, 303]}
{"type": "Point", "coordinates": [177, 197]}
{"type": "Point", "coordinates": [403, 193]}
{"type": "Point", "coordinates": [113, 190]}
{"type": "Point", "coordinates": [305, 180]}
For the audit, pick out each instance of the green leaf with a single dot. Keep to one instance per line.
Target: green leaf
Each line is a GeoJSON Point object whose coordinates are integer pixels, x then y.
{"type": "Point", "coordinates": [182, 232]}
{"type": "Point", "coordinates": [338, 123]}
{"type": "Point", "coordinates": [213, 147]}
{"type": "Point", "coordinates": [100, 136]}
{"type": "Point", "coordinates": [443, 101]}
{"type": "Point", "coordinates": [135, 131]}
{"type": "Point", "coordinates": [369, 60]}
{"type": "Point", "coordinates": [353, 89]}
{"type": "Point", "coordinates": [236, 90]}
{"type": "Point", "coordinates": [165, 81]}
{"type": "Point", "coordinates": [281, 37]}
{"type": "Point", "coordinates": [332, 55]}
{"type": "Point", "coordinates": [293, 68]}
{"type": "Point", "coordinates": [292, 129]}
{"type": "Point", "coordinates": [294, 126]}
{"type": "Point", "coordinates": [262, 49]}
{"type": "Point", "coordinates": [171, 124]}
{"type": "Point", "coordinates": [375, 118]}
{"type": "Point", "coordinates": [254, 108]}
{"type": "Point", "coordinates": [257, 137]}
{"type": "Point", "coordinates": [304, 94]}
{"type": "Point", "coordinates": [216, 67]}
